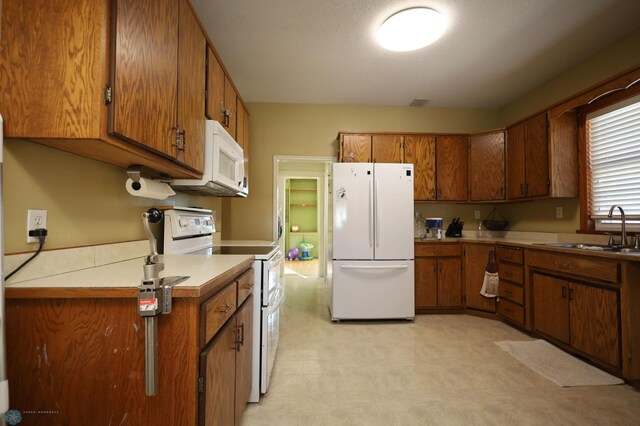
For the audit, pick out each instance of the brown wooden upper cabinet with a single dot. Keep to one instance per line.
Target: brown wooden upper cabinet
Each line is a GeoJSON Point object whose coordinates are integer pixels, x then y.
{"type": "Point", "coordinates": [528, 159]}
{"type": "Point", "coordinates": [120, 92]}
{"type": "Point", "coordinates": [542, 157]}
{"type": "Point", "coordinates": [421, 152]}
{"type": "Point", "coordinates": [486, 166]}
{"type": "Point", "coordinates": [387, 148]}
{"type": "Point", "coordinates": [355, 148]}
{"type": "Point", "coordinates": [452, 168]}
{"type": "Point", "coordinates": [222, 99]}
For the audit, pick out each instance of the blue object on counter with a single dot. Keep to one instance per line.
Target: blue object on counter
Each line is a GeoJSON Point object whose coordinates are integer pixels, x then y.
{"type": "Point", "coordinates": [433, 222]}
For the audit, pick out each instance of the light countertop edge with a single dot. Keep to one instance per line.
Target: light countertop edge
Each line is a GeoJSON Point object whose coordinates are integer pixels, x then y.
{"type": "Point", "coordinates": [121, 279]}
{"type": "Point", "coordinates": [530, 244]}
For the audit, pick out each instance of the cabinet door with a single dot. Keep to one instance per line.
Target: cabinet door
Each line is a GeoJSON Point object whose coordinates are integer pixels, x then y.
{"type": "Point", "coordinates": [218, 364]}
{"type": "Point", "coordinates": [451, 168]}
{"type": "Point", "coordinates": [230, 103]}
{"type": "Point", "coordinates": [475, 264]}
{"type": "Point", "coordinates": [145, 72]}
{"type": "Point", "coordinates": [356, 149]}
{"type": "Point", "coordinates": [515, 162]}
{"type": "Point", "coordinates": [486, 163]}
{"type": "Point", "coordinates": [387, 149]}
{"type": "Point", "coordinates": [551, 306]}
{"type": "Point", "coordinates": [51, 60]}
{"type": "Point", "coordinates": [449, 282]}
{"type": "Point", "coordinates": [215, 88]}
{"type": "Point", "coordinates": [536, 156]}
{"type": "Point", "coordinates": [595, 322]}
{"type": "Point", "coordinates": [426, 283]}
{"type": "Point", "coordinates": [191, 89]}
{"type": "Point", "coordinates": [244, 322]}
{"type": "Point", "coordinates": [421, 152]}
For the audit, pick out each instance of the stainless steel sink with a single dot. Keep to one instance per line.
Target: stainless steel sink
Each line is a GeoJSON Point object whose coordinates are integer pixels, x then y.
{"type": "Point", "coordinates": [595, 247]}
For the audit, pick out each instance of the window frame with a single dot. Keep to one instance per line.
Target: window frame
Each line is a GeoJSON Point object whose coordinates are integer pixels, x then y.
{"type": "Point", "coordinates": [587, 224]}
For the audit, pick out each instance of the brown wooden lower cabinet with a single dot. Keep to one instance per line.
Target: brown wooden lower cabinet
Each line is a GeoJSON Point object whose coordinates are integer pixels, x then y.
{"type": "Point", "coordinates": [438, 276]}
{"type": "Point", "coordinates": [77, 357]}
{"type": "Point", "coordinates": [475, 265]}
{"type": "Point", "coordinates": [226, 371]}
{"type": "Point", "coordinates": [586, 317]}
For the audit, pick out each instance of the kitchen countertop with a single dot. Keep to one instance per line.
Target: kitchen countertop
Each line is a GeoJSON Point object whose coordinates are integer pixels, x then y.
{"type": "Point", "coordinates": [535, 243]}
{"type": "Point", "coordinates": [121, 279]}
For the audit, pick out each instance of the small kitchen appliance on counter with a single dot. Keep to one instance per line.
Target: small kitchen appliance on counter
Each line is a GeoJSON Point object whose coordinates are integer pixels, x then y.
{"type": "Point", "coordinates": [434, 227]}
{"type": "Point", "coordinates": [188, 230]}
{"type": "Point", "coordinates": [455, 228]}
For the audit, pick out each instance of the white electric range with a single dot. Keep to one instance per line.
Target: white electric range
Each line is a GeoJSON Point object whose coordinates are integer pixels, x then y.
{"type": "Point", "coordinates": [189, 230]}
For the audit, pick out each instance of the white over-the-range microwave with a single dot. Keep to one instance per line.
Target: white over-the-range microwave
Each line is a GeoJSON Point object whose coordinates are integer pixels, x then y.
{"type": "Point", "coordinates": [223, 166]}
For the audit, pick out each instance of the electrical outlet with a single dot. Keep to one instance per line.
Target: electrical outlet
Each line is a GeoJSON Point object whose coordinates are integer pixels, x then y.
{"type": "Point", "coordinates": [35, 219]}
{"type": "Point", "coordinates": [477, 214]}
{"type": "Point", "coordinates": [559, 213]}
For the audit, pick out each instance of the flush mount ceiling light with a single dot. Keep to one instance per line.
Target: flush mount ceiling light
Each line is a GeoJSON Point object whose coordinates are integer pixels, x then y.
{"type": "Point", "coordinates": [411, 29]}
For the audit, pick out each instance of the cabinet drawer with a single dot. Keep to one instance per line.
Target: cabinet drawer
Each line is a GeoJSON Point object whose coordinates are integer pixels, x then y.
{"type": "Point", "coordinates": [218, 310]}
{"type": "Point", "coordinates": [245, 285]}
{"type": "Point", "coordinates": [512, 292]}
{"type": "Point", "coordinates": [510, 254]}
{"type": "Point", "coordinates": [511, 273]}
{"type": "Point", "coordinates": [590, 268]}
{"type": "Point", "coordinates": [511, 311]}
{"type": "Point", "coordinates": [438, 249]}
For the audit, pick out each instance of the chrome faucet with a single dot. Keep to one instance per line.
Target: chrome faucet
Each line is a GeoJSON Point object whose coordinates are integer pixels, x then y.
{"type": "Point", "coordinates": [623, 238]}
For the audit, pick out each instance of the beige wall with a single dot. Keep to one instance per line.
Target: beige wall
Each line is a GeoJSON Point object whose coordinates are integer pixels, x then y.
{"type": "Point", "coordinates": [311, 130]}
{"type": "Point", "coordinates": [86, 200]}
{"type": "Point", "coordinates": [620, 56]}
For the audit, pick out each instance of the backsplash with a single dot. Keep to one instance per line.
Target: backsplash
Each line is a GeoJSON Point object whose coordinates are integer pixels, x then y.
{"type": "Point", "coordinates": [56, 262]}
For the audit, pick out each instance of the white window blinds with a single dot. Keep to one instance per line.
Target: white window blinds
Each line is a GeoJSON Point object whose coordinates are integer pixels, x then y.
{"type": "Point", "coordinates": [614, 141]}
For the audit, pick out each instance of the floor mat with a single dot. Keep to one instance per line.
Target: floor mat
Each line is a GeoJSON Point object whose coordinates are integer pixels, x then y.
{"type": "Point", "coordinates": [557, 365]}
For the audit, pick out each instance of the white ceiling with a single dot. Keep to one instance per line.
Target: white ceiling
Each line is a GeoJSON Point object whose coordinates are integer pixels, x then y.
{"type": "Point", "coordinates": [324, 51]}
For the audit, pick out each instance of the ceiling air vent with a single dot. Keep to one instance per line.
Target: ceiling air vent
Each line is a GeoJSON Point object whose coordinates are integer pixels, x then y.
{"type": "Point", "coordinates": [418, 102]}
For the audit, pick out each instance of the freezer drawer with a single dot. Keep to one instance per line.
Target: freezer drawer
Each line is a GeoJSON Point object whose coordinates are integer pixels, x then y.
{"type": "Point", "coordinates": [373, 290]}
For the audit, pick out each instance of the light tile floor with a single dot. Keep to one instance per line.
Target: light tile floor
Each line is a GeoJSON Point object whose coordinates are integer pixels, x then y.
{"type": "Point", "coordinates": [438, 370]}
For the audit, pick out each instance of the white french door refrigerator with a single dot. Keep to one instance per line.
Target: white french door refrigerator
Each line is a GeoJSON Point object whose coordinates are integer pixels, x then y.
{"type": "Point", "coordinates": [373, 260]}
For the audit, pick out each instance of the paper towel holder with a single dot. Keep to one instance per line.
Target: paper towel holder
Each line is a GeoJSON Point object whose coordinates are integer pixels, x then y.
{"type": "Point", "coordinates": [137, 176]}
{"type": "Point", "coordinates": [135, 172]}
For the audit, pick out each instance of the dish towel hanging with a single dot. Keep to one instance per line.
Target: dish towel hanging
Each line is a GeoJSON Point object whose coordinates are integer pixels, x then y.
{"type": "Point", "coordinates": [491, 279]}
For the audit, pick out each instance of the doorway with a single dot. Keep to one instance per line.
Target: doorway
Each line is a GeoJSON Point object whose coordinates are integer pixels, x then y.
{"type": "Point", "coordinates": [302, 213]}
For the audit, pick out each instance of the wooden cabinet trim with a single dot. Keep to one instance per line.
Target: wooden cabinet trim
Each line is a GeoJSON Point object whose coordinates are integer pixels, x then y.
{"type": "Point", "coordinates": [245, 286]}
{"type": "Point", "coordinates": [437, 250]}
{"type": "Point", "coordinates": [217, 310]}
{"type": "Point", "coordinates": [510, 254]}
{"type": "Point", "coordinates": [575, 266]}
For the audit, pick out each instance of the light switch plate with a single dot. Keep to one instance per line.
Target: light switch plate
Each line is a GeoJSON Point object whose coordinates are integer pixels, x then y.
{"type": "Point", "coordinates": [35, 219]}
{"type": "Point", "coordinates": [477, 214]}
{"type": "Point", "coordinates": [559, 213]}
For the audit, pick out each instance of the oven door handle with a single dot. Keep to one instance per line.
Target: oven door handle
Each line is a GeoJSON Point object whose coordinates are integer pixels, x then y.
{"type": "Point", "coordinates": [278, 302]}
{"type": "Point", "coordinates": [277, 259]}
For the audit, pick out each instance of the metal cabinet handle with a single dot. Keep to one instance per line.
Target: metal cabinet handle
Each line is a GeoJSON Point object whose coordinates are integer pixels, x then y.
{"type": "Point", "coordinates": [564, 292]}
{"type": "Point", "coordinates": [570, 294]}
{"type": "Point", "coordinates": [227, 308]}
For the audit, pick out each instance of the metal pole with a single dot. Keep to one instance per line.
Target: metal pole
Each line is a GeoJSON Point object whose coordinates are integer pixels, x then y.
{"type": "Point", "coordinates": [151, 355]}
{"type": "Point", "coordinates": [4, 383]}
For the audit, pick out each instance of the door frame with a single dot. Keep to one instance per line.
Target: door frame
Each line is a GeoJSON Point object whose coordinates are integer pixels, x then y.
{"type": "Point", "coordinates": [279, 179]}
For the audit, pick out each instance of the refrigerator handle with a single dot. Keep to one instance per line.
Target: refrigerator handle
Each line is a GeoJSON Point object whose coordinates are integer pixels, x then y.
{"type": "Point", "coordinates": [370, 214]}
{"type": "Point", "coordinates": [374, 266]}
{"type": "Point", "coordinates": [377, 210]}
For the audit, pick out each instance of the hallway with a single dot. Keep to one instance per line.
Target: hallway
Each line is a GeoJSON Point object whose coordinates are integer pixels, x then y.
{"type": "Point", "coordinates": [438, 370]}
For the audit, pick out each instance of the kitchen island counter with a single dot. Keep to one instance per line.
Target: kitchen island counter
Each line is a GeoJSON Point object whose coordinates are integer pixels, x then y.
{"type": "Point", "coordinates": [121, 279]}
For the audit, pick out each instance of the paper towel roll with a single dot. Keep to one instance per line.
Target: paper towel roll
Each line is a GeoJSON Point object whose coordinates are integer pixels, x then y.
{"type": "Point", "coordinates": [149, 188]}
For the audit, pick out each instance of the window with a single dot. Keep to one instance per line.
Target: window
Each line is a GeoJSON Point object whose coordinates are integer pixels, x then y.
{"type": "Point", "coordinates": [613, 135]}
